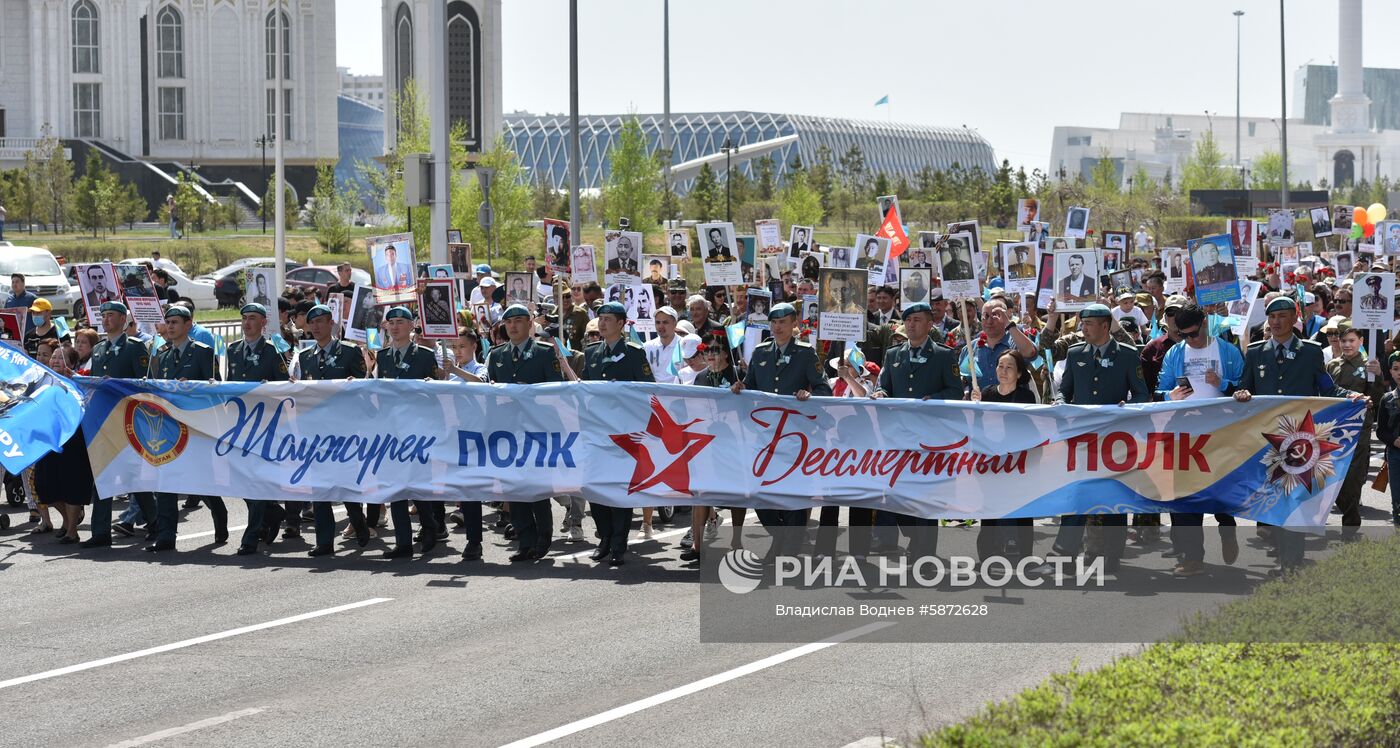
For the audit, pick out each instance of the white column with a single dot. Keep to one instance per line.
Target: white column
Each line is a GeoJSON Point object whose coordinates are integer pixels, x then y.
{"type": "Point", "coordinates": [1348, 48]}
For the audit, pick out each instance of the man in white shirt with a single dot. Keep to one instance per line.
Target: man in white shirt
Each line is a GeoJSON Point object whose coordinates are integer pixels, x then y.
{"type": "Point", "coordinates": [661, 348]}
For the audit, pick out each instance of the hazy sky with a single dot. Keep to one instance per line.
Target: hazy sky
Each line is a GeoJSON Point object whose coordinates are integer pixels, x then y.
{"type": "Point", "coordinates": [1011, 70]}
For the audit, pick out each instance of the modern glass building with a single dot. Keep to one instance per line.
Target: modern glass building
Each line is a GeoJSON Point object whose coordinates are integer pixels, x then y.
{"type": "Point", "coordinates": [1315, 85]}
{"type": "Point", "coordinates": [897, 150]}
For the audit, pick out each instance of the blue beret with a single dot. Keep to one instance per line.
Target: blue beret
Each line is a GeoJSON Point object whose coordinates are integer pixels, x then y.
{"type": "Point", "coordinates": [483, 268]}
{"type": "Point", "coordinates": [782, 310]}
{"type": "Point", "coordinates": [320, 310]}
{"type": "Point", "coordinates": [399, 312]}
{"type": "Point", "coordinates": [1281, 304]}
{"type": "Point", "coordinates": [253, 309]}
{"type": "Point", "coordinates": [112, 306]}
{"type": "Point", "coordinates": [613, 307]}
{"type": "Point", "coordinates": [916, 308]}
{"type": "Point", "coordinates": [1095, 310]}
{"type": "Point", "coordinates": [177, 311]}
{"type": "Point", "coordinates": [516, 310]}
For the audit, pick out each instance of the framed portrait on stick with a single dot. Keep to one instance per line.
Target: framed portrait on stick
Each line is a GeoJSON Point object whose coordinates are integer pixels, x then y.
{"type": "Point", "coordinates": [437, 310]}
{"type": "Point", "coordinates": [841, 297]}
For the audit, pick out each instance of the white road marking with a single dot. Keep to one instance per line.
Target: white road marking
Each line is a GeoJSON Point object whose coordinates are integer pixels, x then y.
{"type": "Point", "coordinates": [191, 727]}
{"type": "Point", "coordinates": [697, 686]}
{"type": "Point", "coordinates": [188, 643]}
{"type": "Point", "coordinates": [238, 528]}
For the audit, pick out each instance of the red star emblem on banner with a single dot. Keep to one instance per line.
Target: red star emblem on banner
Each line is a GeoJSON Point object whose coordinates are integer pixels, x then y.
{"type": "Point", "coordinates": [1298, 453]}
{"type": "Point", "coordinates": [663, 451]}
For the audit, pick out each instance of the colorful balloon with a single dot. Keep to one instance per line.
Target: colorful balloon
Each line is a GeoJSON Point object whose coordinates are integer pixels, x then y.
{"type": "Point", "coordinates": [1356, 230]}
{"type": "Point", "coordinates": [1369, 230]}
{"type": "Point", "coordinates": [1376, 213]}
{"type": "Point", "coordinates": [1358, 216]}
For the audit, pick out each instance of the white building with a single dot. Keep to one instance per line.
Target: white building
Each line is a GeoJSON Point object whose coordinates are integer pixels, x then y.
{"type": "Point", "coordinates": [1338, 148]}
{"type": "Point", "coordinates": [473, 63]}
{"type": "Point", "coordinates": [186, 81]}
{"type": "Point", "coordinates": [366, 88]}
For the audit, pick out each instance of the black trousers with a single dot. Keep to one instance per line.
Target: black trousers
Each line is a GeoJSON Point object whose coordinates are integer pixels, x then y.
{"type": "Point", "coordinates": [471, 520]}
{"type": "Point", "coordinates": [403, 523]}
{"type": "Point", "coordinates": [533, 521]}
{"type": "Point", "coordinates": [168, 514]}
{"type": "Point", "coordinates": [614, 523]}
{"type": "Point", "coordinates": [995, 535]}
{"type": "Point", "coordinates": [260, 515]}
{"type": "Point", "coordinates": [1189, 540]}
{"type": "Point", "coordinates": [101, 523]}
{"type": "Point", "coordinates": [325, 520]}
{"type": "Point", "coordinates": [859, 520]}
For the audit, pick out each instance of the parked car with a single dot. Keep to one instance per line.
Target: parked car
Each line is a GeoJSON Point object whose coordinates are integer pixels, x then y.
{"type": "Point", "coordinates": [227, 280]}
{"type": "Point", "coordinates": [197, 292]}
{"type": "Point", "coordinates": [323, 275]}
{"type": "Point", "coordinates": [42, 276]}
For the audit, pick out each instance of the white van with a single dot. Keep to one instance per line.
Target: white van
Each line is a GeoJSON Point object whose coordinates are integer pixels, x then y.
{"type": "Point", "coordinates": [42, 276]}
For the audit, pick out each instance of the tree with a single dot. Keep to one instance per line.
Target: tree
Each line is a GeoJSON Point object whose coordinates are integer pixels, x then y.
{"type": "Point", "coordinates": [131, 207]}
{"type": "Point", "coordinates": [88, 202]}
{"type": "Point", "coordinates": [51, 175]}
{"type": "Point", "coordinates": [706, 198]}
{"type": "Point", "coordinates": [1205, 169]}
{"type": "Point", "coordinates": [546, 200]}
{"type": "Point", "coordinates": [633, 188]}
{"type": "Point", "coordinates": [386, 182]}
{"type": "Point", "coordinates": [511, 203]}
{"type": "Point", "coordinates": [329, 210]}
{"type": "Point", "coordinates": [1266, 172]}
{"type": "Point", "coordinates": [800, 204]}
{"type": "Point", "coordinates": [766, 179]}
{"type": "Point", "coordinates": [268, 209]}
{"type": "Point", "coordinates": [823, 178]}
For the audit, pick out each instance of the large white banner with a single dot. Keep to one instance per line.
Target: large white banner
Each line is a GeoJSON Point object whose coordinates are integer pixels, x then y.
{"type": "Point", "coordinates": [1275, 459]}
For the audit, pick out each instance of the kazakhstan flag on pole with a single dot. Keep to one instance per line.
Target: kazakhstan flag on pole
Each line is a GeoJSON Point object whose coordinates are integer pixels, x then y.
{"type": "Point", "coordinates": [883, 100]}
{"type": "Point", "coordinates": [39, 410]}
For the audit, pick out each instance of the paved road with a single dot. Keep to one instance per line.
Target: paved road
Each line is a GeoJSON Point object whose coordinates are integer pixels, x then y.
{"type": "Point", "coordinates": [435, 652]}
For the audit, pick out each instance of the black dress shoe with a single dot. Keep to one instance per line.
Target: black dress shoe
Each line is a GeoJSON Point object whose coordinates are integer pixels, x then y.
{"type": "Point", "coordinates": [96, 543]}
{"type": "Point", "coordinates": [599, 554]}
{"type": "Point", "coordinates": [510, 532]}
{"type": "Point", "coordinates": [525, 555]}
{"type": "Point", "coordinates": [442, 534]}
{"type": "Point", "coordinates": [125, 529]}
{"type": "Point", "coordinates": [690, 554]}
{"type": "Point", "coordinates": [245, 550]}
{"type": "Point", "coordinates": [321, 550]}
{"type": "Point", "coordinates": [472, 552]}
{"type": "Point", "coordinates": [190, 504]}
{"type": "Point", "coordinates": [616, 560]}
{"type": "Point", "coordinates": [291, 531]}
{"type": "Point", "coordinates": [400, 551]}
{"type": "Point", "coordinates": [362, 535]}
{"type": "Point", "coordinates": [221, 536]}
{"type": "Point", "coordinates": [159, 547]}
{"type": "Point", "coordinates": [429, 543]}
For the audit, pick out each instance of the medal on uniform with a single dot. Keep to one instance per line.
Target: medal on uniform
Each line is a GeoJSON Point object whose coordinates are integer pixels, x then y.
{"type": "Point", "coordinates": [784, 360]}
{"type": "Point", "coordinates": [1105, 362]}
{"type": "Point", "coordinates": [611, 359]}
{"type": "Point", "coordinates": [1290, 355]}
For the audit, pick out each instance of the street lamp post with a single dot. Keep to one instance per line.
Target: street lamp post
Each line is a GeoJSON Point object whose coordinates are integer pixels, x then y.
{"type": "Point", "coordinates": [728, 149]}
{"type": "Point", "coordinates": [1283, 98]}
{"type": "Point", "coordinates": [1238, 14]}
{"type": "Point", "coordinates": [262, 142]}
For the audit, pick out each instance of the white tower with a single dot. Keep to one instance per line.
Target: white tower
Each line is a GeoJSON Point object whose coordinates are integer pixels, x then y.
{"type": "Point", "coordinates": [1351, 108]}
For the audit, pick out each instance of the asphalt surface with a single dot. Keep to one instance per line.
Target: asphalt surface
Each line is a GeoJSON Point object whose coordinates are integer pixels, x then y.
{"type": "Point", "coordinates": [439, 652]}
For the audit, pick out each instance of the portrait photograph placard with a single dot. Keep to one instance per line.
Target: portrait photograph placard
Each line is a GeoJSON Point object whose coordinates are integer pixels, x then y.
{"type": "Point", "coordinates": [1341, 218]}
{"type": "Point", "coordinates": [1213, 269]}
{"type": "Point", "coordinates": [557, 245]}
{"type": "Point", "coordinates": [135, 280]}
{"type": "Point", "coordinates": [656, 269]}
{"type": "Point", "coordinates": [973, 229]}
{"type": "Point", "coordinates": [841, 298]}
{"type": "Point", "coordinates": [1116, 240]}
{"type": "Point", "coordinates": [520, 289]}
{"type": "Point", "coordinates": [871, 253]}
{"type": "Point", "coordinates": [1045, 279]}
{"type": "Point", "coordinates": [1388, 237]}
{"type": "Point", "coordinates": [97, 283]}
{"type": "Point", "coordinates": [641, 308]}
{"type": "Point", "coordinates": [1373, 296]}
{"type": "Point", "coordinates": [437, 310]}
{"type": "Point", "coordinates": [1076, 279]}
{"type": "Point", "coordinates": [364, 314]}
{"type": "Point", "coordinates": [1321, 221]}
{"type": "Point", "coordinates": [392, 259]}
{"type": "Point", "coordinates": [622, 253]}
{"type": "Point", "coordinates": [1177, 269]}
{"type": "Point", "coordinates": [679, 242]}
{"type": "Point", "coordinates": [1280, 228]}
{"type": "Point", "coordinates": [886, 202]}
{"type": "Point", "coordinates": [1018, 258]}
{"type": "Point", "coordinates": [583, 264]}
{"type": "Point", "coordinates": [1244, 235]}
{"type": "Point", "coordinates": [957, 270]}
{"type": "Point", "coordinates": [769, 236]}
{"type": "Point", "coordinates": [1038, 234]}
{"type": "Point", "coordinates": [460, 256]}
{"type": "Point", "coordinates": [1027, 213]}
{"type": "Point", "coordinates": [799, 241]}
{"type": "Point", "coordinates": [842, 258]}
{"type": "Point", "coordinates": [1077, 223]}
{"type": "Point", "coordinates": [914, 285]}
{"type": "Point", "coordinates": [719, 254]}
{"type": "Point", "coordinates": [759, 303]}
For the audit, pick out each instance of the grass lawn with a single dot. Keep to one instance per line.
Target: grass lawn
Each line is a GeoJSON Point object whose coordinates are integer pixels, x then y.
{"type": "Point", "coordinates": [1302, 661]}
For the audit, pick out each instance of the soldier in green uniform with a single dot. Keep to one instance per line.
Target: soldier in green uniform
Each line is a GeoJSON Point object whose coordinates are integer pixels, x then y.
{"type": "Point", "coordinates": [614, 360]}
{"type": "Point", "coordinates": [1285, 364]}
{"type": "Point", "coordinates": [401, 358]}
{"type": "Point", "coordinates": [331, 359]}
{"type": "Point", "coordinates": [255, 359]}
{"type": "Point", "coordinates": [1355, 372]}
{"type": "Point", "coordinates": [119, 357]}
{"type": "Point", "coordinates": [521, 360]}
{"type": "Point", "coordinates": [1099, 371]}
{"type": "Point", "coordinates": [786, 366]}
{"type": "Point", "coordinates": [184, 360]}
{"type": "Point", "coordinates": [920, 369]}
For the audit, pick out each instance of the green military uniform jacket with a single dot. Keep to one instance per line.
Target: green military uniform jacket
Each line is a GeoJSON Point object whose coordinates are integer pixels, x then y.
{"type": "Point", "coordinates": [194, 362]}
{"type": "Point", "coordinates": [1115, 377]}
{"type": "Point", "coordinates": [417, 362]}
{"type": "Point", "coordinates": [1351, 374]}
{"type": "Point", "coordinates": [930, 371]}
{"type": "Point", "coordinates": [623, 361]}
{"type": "Point", "coordinates": [124, 358]}
{"type": "Point", "coordinates": [341, 361]}
{"type": "Point", "coordinates": [1300, 373]}
{"type": "Point", "coordinates": [796, 369]}
{"type": "Point", "coordinates": [537, 364]}
{"type": "Point", "coordinates": [258, 362]}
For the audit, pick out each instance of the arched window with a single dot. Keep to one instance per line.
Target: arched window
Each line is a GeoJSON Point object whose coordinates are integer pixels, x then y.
{"type": "Point", "coordinates": [271, 36]}
{"type": "Point", "coordinates": [170, 43]}
{"type": "Point", "coordinates": [85, 37]}
{"type": "Point", "coordinates": [1343, 169]}
{"type": "Point", "coordinates": [463, 69]}
{"type": "Point", "coordinates": [403, 46]}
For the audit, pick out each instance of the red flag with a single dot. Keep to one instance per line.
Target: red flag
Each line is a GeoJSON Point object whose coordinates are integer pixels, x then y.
{"type": "Point", "coordinates": [899, 241]}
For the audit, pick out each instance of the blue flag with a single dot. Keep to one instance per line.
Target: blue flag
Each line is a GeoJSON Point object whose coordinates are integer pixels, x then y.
{"type": "Point", "coordinates": [39, 410]}
{"type": "Point", "coordinates": [280, 343]}
{"type": "Point", "coordinates": [855, 356]}
{"type": "Point", "coordinates": [674, 367]}
{"type": "Point", "coordinates": [60, 324]}
{"type": "Point", "coordinates": [372, 339]}
{"type": "Point", "coordinates": [883, 100]}
{"type": "Point", "coordinates": [735, 334]}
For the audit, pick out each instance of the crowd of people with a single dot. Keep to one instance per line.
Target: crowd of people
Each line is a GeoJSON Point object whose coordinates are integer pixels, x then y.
{"type": "Point", "coordinates": [1142, 345]}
